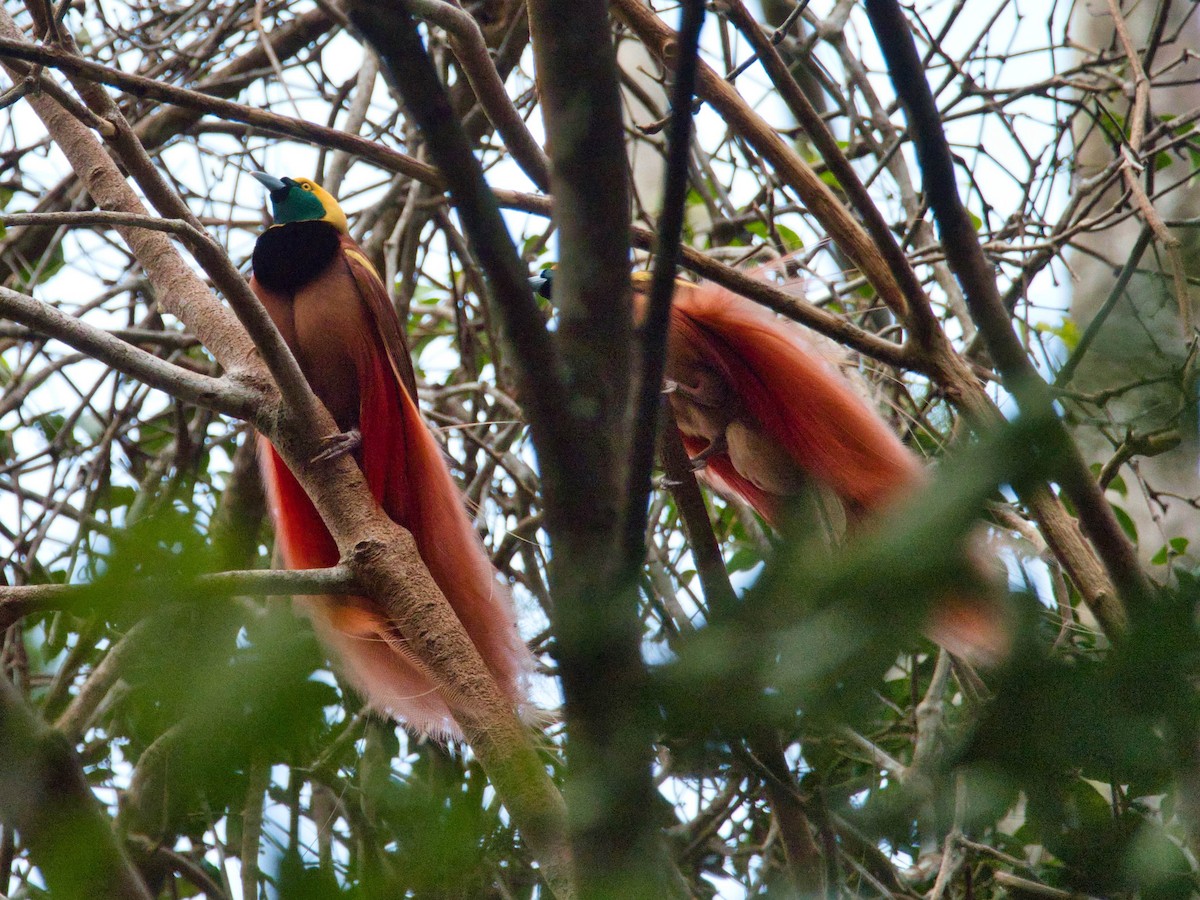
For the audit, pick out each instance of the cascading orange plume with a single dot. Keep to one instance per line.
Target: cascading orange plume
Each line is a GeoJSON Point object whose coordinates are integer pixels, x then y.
{"type": "Point", "coordinates": [335, 314]}
{"type": "Point", "coordinates": [764, 414]}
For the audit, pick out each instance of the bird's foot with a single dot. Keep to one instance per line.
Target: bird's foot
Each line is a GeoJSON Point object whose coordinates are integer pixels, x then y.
{"type": "Point", "coordinates": [339, 445]}
{"type": "Point", "coordinates": [703, 394]}
{"type": "Point", "coordinates": [717, 445]}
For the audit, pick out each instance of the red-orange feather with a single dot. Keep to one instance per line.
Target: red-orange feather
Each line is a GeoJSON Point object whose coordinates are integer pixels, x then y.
{"type": "Point", "coordinates": [795, 396]}
{"type": "Point", "coordinates": [743, 371]}
{"type": "Point", "coordinates": [344, 321]}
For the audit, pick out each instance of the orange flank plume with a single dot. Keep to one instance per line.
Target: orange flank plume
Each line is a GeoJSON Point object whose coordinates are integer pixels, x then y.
{"type": "Point", "coordinates": [334, 312]}
{"type": "Point", "coordinates": [766, 414]}
{"type": "Point", "coordinates": [784, 412]}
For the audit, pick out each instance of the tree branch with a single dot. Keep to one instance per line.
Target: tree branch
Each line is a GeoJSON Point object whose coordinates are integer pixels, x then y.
{"type": "Point", "coordinates": [817, 196]}
{"type": "Point", "coordinates": [46, 798]}
{"type": "Point", "coordinates": [224, 395]}
{"type": "Point", "coordinates": [656, 319]}
{"type": "Point", "coordinates": [13, 47]}
{"type": "Point", "coordinates": [920, 318]}
{"type": "Point", "coordinates": [470, 49]}
{"type": "Point", "coordinates": [983, 299]}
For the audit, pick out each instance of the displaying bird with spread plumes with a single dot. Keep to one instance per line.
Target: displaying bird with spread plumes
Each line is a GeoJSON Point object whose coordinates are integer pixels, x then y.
{"type": "Point", "coordinates": [764, 417]}
{"type": "Point", "coordinates": [334, 312]}
{"type": "Point", "coordinates": [766, 414]}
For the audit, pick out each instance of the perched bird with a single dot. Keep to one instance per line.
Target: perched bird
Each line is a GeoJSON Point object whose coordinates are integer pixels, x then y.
{"type": "Point", "coordinates": [335, 314]}
{"type": "Point", "coordinates": [766, 414]}
{"type": "Point", "coordinates": [764, 417]}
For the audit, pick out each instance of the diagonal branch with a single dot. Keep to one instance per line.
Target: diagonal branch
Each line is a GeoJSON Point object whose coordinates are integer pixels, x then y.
{"type": "Point", "coordinates": [795, 172]}
{"type": "Point", "coordinates": [1132, 165]}
{"type": "Point", "coordinates": [45, 796]}
{"type": "Point", "coordinates": [920, 316]}
{"type": "Point", "coordinates": [983, 299]}
{"type": "Point", "coordinates": [14, 47]}
{"type": "Point", "coordinates": [466, 40]}
{"type": "Point", "coordinates": [223, 395]}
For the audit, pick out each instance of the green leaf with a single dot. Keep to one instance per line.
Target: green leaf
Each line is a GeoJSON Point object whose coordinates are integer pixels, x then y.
{"type": "Point", "coordinates": [791, 240]}
{"type": "Point", "coordinates": [51, 426]}
{"type": "Point", "coordinates": [115, 496]}
{"type": "Point", "coordinates": [1126, 523]}
{"type": "Point", "coordinates": [30, 276]}
{"type": "Point", "coordinates": [1066, 331]}
{"type": "Point", "coordinates": [743, 560]}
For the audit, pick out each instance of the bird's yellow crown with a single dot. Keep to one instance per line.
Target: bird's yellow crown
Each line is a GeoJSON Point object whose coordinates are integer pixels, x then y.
{"type": "Point", "coordinates": [302, 200]}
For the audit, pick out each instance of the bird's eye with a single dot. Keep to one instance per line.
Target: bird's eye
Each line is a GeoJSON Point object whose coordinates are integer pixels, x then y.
{"type": "Point", "coordinates": [307, 187]}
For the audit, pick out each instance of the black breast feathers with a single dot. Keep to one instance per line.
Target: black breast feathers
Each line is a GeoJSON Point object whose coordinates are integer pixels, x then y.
{"type": "Point", "coordinates": [287, 257]}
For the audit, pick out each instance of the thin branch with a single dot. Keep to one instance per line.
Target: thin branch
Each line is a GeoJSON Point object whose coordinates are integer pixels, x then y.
{"type": "Point", "coordinates": [920, 316]}
{"type": "Point", "coordinates": [336, 580]}
{"type": "Point", "coordinates": [75, 718]}
{"type": "Point", "coordinates": [108, 219]}
{"type": "Point", "coordinates": [147, 88]}
{"type": "Point", "coordinates": [339, 164]}
{"type": "Point", "coordinates": [1067, 372]}
{"type": "Point", "coordinates": [786, 304]}
{"type": "Point", "coordinates": [470, 49]}
{"type": "Point", "coordinates": [189, 869]}
{"type": "Point", "coordinates": [681, 480]}
{"type": "Point", "coordinates": [1019, 885]}
{"type": "Point", "coordinates": [657, 317]}
{"type": "Point", "coordinates": [257, 781]}
{"type": "Point", "coordinates": [820, 200]}
{"type": "Point", "coordinates": [223, 395]}
{"type": "Point", "coordinates": [979, 284]}
{"type": "Point", "coordinates": [1132, 165]}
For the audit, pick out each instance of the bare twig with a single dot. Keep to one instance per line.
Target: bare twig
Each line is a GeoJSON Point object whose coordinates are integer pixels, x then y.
{"type": "Point", "coordinates": [225, 395]}
{"type": "Point", "coordinates": [469, 47]}
{"type": "Point", "coordinates": [1132, 167]}
{"type": "Point", "coordinates": [822, 203]}
{"type": "Point", "coordinates": [972, 269]}
{"type": "Point", "coordinates": [14, 48]}
{"type": "Point", "coordinates": [656, 318]}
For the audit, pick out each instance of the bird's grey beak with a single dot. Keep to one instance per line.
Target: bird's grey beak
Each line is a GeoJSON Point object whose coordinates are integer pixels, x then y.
{"type": "Point", "coordinates": [270, 182]}
{"type": "Point", "coordinates": [540, 285]}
